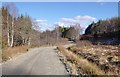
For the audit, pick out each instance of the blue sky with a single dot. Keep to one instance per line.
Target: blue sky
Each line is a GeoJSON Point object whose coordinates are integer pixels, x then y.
{"type": "Point", "coordinates": [59, 0]}
{"type": "Point", "coordinates": [65, 13]}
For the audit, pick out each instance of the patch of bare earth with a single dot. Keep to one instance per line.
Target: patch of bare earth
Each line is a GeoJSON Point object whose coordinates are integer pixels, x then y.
{"type": "Point", "coordinates": [91, 59]}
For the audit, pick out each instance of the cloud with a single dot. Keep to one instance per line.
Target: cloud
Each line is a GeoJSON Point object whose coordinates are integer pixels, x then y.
{"type": "Point", "coordinates": [41, 25]}
{"type": "Point", "coordinates": [41, 21]}
{"type": "Point", "coordinates": [85, 18]}
{"type": "Point", "coordinates": [68, 20]}
{"type": "Point", "coordinates": [84, 21]}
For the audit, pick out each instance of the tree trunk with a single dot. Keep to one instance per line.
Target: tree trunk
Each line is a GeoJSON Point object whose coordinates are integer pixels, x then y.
{"type": "Point", "coordinates": [26, 39]}
{"type": "Point", "coordinates": [8, 37]}
{"type": "Point", "coordinates": [8, 32]}
{"type": "Point", "coordinates": [12, 34]}
{"type": "Point", "coordinates": [29, 39]}
{"type": "Point", "coordinates": [23, 40]}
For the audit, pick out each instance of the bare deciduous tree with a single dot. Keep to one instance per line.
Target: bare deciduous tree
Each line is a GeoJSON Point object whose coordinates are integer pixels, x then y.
{"type": "Point", "coordinates": [11, 10]}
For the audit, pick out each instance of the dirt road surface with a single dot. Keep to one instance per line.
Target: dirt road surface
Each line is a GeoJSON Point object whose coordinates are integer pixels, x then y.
{"type": "Point", "coordinates": [38, 61]}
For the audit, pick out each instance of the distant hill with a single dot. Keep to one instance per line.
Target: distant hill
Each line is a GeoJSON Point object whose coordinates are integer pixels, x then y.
{"type": "Point", "coordinates": [104, 31]}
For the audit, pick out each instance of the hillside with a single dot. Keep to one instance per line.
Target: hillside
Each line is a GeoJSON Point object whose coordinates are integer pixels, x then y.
{"type": "Point", "coordinates": [104, 31]}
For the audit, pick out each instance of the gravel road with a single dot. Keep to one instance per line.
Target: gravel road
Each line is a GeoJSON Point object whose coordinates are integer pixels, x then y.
{"type": "Point", "coordinates": [38, 61]}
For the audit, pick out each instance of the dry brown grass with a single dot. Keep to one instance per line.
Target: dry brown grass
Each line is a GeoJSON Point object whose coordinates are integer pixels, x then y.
{"type": "Point", "coordinates": [85, 65]}
{"type": "Point", "coordinates": [12, 52]}
{"type": "Point", "coordinates": [100, 55]}
{"type": "Point", "coordinates": [83, 43]}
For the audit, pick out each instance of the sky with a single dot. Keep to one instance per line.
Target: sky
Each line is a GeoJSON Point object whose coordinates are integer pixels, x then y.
{"type": "Point", "coordinates": [59, 0]}
{"type": "Point", "coordinates": [47, 14]}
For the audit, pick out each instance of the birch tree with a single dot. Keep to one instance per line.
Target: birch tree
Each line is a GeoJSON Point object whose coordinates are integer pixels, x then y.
{"type": "Point", "coordinates": [13, 13]}
{"type": "Point", "coordinates": [8, 26]}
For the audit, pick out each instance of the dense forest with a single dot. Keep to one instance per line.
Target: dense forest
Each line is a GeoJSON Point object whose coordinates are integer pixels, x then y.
{"type": "Point", "coordinates": [104, 26]}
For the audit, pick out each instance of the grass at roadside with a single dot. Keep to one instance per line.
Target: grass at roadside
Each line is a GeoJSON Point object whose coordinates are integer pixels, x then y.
{"type": "Point", "coordinates": [86, 66]}
{"type": "Point", "coordinates": [12, 52]}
